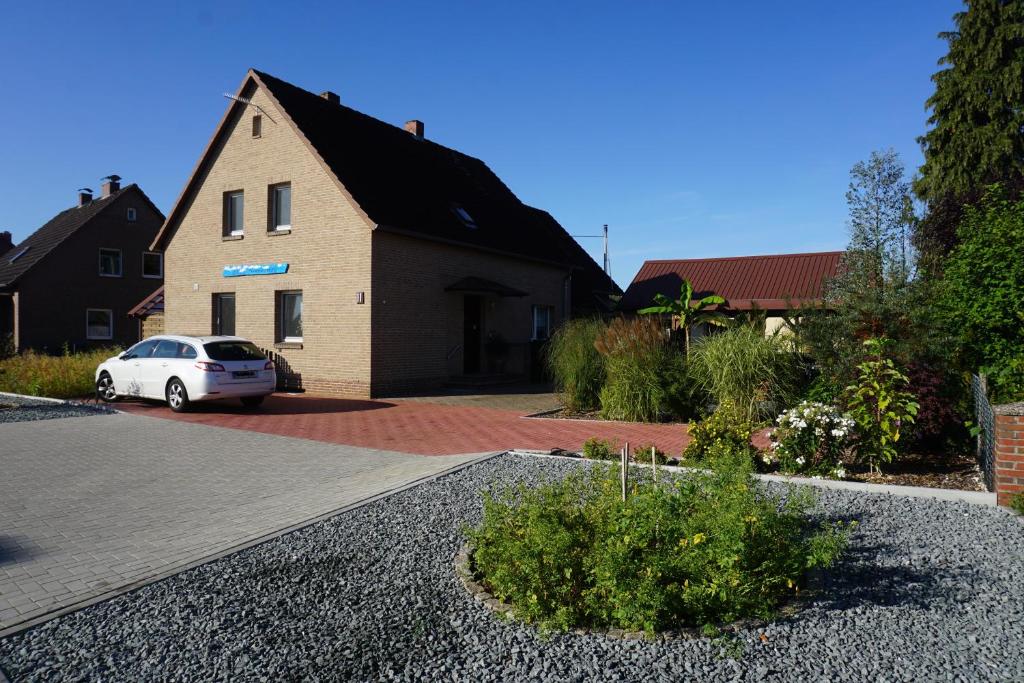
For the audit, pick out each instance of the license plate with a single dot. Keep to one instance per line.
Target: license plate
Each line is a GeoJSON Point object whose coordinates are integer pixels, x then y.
{"type": "Point", "coordinates": [244, 373]}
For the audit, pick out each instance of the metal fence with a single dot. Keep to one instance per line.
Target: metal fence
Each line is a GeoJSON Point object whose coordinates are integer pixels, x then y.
{"type": "Point", "coordinates": [984, 421]}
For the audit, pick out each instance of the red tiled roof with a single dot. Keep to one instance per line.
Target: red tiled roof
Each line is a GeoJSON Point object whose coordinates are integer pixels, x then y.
{"type": "Point", "coordinates": [768, 282]}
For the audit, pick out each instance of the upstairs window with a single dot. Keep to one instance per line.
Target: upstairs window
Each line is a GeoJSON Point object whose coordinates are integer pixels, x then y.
{"type": "Point", "coordinates": [257, 126]}
{"type": "Point", "coordinates": [234, 212]}
{"type": "Point", "coordinates": [464, 216]}
{"type": "Point", "coordinates": [281, 207]}
{"type": "Point", "coordinates": [152, 265]}
{"type": "Point", "coordinates": [131, 214]}
{"type": "Point", "coordinates": [110, 263]}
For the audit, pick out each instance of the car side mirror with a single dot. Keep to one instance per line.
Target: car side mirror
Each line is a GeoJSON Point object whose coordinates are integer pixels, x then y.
{"type": "Point", "coordinates": [126, 356]}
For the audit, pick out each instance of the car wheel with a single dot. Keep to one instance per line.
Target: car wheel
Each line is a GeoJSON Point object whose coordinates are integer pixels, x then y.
{"type": "Point", "coordinates": [105, 388]}
{"type": "Point", "coordinates": [252, 401]}
{"type": "Point", "coordinates": [177, 396]}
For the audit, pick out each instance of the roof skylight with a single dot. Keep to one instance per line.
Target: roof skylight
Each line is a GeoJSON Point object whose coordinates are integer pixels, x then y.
{"type": "Point", "coordinates": [464, 216]}
{"type": "Point", "coordinates": [21, 252]}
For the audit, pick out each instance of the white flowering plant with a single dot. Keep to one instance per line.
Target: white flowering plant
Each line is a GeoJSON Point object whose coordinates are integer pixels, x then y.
{"type": "Point", "coordinates": [810, 439]}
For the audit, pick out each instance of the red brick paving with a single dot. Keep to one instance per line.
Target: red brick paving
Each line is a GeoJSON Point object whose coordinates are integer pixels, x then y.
{"type": "Point", "coordinates": [415, 427]}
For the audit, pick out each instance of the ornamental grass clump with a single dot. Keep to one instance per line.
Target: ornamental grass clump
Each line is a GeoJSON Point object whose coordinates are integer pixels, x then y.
{"type": "Point", "coordinates": [704, 549]}
{"type": "Point", "coordinates": [69, 375]}
{"type": "Point", "coordinates": [811, 439]}
{"type": "Point", "coordinates": [634, 350]}
{"type": "Point", "coordinates": [575, 364]}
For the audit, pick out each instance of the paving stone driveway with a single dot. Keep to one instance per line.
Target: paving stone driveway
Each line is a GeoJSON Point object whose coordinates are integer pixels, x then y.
{"type": "Point", "coordinates": [90, 506]}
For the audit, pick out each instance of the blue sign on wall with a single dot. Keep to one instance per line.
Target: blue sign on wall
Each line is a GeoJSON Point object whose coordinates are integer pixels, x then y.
{"type": "Point", "coordinates": [256, 269]}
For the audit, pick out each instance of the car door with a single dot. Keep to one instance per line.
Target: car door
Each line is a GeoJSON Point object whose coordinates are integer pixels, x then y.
{"type": "Point", "coordinates": [159, 368]}
{"type": "Point", "coordinates": [126, 373]}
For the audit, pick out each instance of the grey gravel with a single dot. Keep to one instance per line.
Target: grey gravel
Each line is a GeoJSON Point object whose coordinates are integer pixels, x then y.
{"type": "Point", "coordinates": [26, 409]}
{"type": "Point", "coordinates": [928, 590]}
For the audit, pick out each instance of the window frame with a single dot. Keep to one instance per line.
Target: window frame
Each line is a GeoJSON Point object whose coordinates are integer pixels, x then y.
{"type": "Point", "coordinates": [272, 204]}
{"type": "Point", "coordinates": [131, 215]}
{"type": "Point", "coordinates": [158, 255]}
{"type": "Point", "coordinates": [110, 326]}
{"type": "Point", "coordinates": [227, 229]}
{"type": "Point", "coordinates": [280, 336]}
{"type": "Point", "coordinates": [257, 126]}
{"type": "Point", "coordinates": [549, 311]}
{"type": "Point", "coordinates": [120, 262]}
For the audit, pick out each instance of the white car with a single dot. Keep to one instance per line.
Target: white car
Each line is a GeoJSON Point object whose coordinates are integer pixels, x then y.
{"type": "Point", "coordinates": [181, 370]}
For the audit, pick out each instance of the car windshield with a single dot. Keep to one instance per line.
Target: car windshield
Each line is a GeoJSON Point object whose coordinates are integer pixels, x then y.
{"type": "Point", "coordinates": [233, 350]}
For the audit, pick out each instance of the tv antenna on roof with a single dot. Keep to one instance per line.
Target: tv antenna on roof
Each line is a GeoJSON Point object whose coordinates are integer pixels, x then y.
{"type": "Point", "coordinates": [246, 100]}
{"type": "Point", "coordinates": [607, 260]}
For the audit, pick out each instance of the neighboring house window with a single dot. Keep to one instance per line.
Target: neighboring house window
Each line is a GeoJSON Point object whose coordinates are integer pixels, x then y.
{"type": "Point", "coordinates": [224, 314]}
{"type": "Point", "coordinates": [289, 316]}
{"type": "Point", "coordinates": [257, 126]}
{"type": "Point", "coordinates": [541, 322]}
{"type": "Point", "coordinates": [152, 264]}
{"type": "Point", "coordinates": [132, 215]}
{"type": "Point", "coordinates": [234, 212]}
{"type": "Point", "coordinates": [110, 263]}
{"type": "Point", "coordinates": [281, 207]}
{"type": "Point", "coordinates": [99, 323]}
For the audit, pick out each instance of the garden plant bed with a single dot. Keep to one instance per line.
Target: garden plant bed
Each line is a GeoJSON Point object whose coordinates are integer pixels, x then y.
{"type": "Point", "coordinates": [958, 472]}
{"type": "Point", "coordinates": [927, 590]}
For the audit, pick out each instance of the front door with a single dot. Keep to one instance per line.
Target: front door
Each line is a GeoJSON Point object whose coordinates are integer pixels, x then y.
{"type": "Point", "coordinates": [472, 321]}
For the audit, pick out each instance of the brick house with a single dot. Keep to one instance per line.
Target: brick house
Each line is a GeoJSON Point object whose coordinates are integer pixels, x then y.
{"type": "Point", "coordinates": [368, 258]}
{"type": "Point", "coordinates": [74, 280]}
{"type": "Point", "coordinates": [770, 285]}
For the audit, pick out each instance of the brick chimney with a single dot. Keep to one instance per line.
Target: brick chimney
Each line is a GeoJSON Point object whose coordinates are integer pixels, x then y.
{"type": "Point", "coordinates": [331, 97]}
{"type": "Point", "coordinates": [6, 242]}
{"type": "Point", "coordinates": [111, 184]}
{"type": "Point", "coordinates": [415, 127]}
{"type": "Point", "coordinates": [84, 195]}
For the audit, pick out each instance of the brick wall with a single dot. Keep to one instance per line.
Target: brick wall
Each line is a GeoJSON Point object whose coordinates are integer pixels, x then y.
{"type": "Point", "coordinates": [1009, 451]}
{"type": "Point", "coordinates": [328, 252]}
{"type": "Point", "coordinates": [152, 324]}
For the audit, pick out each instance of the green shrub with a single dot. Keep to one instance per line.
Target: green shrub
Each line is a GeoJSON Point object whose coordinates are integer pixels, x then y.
{"type": "Point", "coordinates": [642, 454]}
{"type": "Point", "coordinates": [758, 374]}
{"type": "Point", "coordinates": [575, 365]}
{"type": "Point", "coordinates": [635, 351]}
{"type": "Point", "coordinates": [811, 439]}
{"type": "Point", "coordinates": [66, 376]}
{"type": "Point", "coordinates": [705, 549]}
{"type": "Point", "coordinates": [1017, 503]}
{"type": "Point", "coordinates": [880, 405]}
{"type": "Point", "coordinates": [727, 427]}
{"type": "Point", "coordinates": [598, 449]}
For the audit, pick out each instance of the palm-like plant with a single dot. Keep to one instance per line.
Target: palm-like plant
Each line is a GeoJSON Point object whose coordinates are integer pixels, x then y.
{"type": "Point", "coordinates": [686, 312]}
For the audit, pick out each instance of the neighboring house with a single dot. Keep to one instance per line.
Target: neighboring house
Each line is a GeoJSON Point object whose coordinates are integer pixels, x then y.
{"type": "Point", "coordinates": [150, 314]}
{"type": "Point", "coordinates": [769, 285]}
{"type": "Point", "coordinates": [369, 259]}
{"type": "Point", "coordinates": [73, 281]}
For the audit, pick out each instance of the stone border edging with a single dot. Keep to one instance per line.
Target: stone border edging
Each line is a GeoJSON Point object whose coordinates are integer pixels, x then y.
{"type": "Point", "coordinates": [468, 578]}
{"type": "Point", "coordinates": [118, 591]}
{"type": "Point", "coordinates": [948, 495]}
{"type": "Point", "coordinates": [46, 399]}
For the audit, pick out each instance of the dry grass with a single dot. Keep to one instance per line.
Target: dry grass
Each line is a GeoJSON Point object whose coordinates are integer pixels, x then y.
{"type": "Point", "coordinates": [67, 376]}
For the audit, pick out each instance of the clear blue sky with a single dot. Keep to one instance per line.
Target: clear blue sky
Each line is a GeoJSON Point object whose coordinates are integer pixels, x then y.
{"type": "Point", "coordinates": [692, 129]}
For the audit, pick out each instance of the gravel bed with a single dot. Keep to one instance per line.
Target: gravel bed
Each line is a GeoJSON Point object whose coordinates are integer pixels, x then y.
{"type": "Point", "coordinates": [26, 409]}
{"type": "Point", "coordinates": [929, 590]}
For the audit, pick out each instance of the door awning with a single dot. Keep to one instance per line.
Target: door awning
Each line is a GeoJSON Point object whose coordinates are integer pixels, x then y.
{"type": "Point", "coordinates": [478, 285]}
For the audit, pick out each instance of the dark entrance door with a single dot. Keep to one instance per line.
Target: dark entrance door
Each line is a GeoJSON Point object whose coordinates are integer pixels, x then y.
{"type": "Point", "coordinates": [472, 323]}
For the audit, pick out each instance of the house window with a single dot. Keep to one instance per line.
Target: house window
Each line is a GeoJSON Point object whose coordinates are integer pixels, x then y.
{"type": "Point", "coordinates": [234, 211]}
{"type": "Point", "coordinates": [541, 322]}
{"type": "Point", "coordinates": [289, 316]}
{"type": "Point", "coordinates": [224, 314]}
{"type": "Point", "coordinates": [152, 264]}
{"type": "Point", "coordinates": [257, 126]}
{"type": "Point", "coordinates": [99, 323]}
{"type": "Point", "coordinates": [281, 207]}
{"type": "Point", "coordinates": [131, 214]}
{"type": "Point", "coordinates": [110, 263]}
